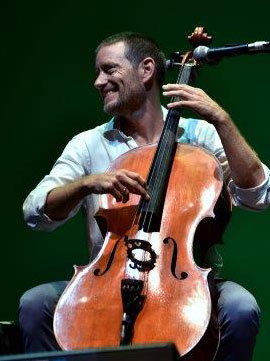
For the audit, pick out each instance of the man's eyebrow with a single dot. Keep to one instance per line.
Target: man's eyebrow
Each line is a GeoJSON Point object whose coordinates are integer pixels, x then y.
{"type": "Point", "coordinates": [107, 65]}
{"type": "Point", "coordinates": [111, 63]}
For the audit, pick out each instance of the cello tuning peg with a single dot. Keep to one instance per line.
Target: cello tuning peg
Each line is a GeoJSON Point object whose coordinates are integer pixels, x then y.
{"type": "Point", "coordinates": [175, 60]}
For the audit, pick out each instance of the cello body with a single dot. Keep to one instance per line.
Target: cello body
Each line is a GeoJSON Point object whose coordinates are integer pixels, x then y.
{"type": "Point", "coordinates": [176, 301]}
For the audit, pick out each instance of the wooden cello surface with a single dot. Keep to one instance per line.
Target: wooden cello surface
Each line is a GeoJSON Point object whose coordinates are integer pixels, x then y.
{"type": "Point", "coordinates": [171, 300]}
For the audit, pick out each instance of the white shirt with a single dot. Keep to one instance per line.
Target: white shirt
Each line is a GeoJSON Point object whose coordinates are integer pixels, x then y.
{"type": "Point", "coordinates": [92, 152]}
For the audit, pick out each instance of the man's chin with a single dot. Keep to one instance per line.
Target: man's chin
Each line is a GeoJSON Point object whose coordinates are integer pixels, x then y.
{"type": "Point", "coordinates": [111, 109]}
{"type": "Point", "coordinates": [108, 110]}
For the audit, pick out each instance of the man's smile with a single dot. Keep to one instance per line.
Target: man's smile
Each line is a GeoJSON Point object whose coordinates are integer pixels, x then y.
{"type": "Point", "coordinates": [107, 94]}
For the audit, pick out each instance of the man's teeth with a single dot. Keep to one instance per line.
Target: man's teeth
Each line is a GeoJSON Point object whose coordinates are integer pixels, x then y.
{"type": "Point", "coordinates": [110, 92]}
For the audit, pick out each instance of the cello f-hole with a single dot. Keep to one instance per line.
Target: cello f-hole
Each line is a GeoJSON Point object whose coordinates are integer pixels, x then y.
{"type": "Point", "coordinates": [183, 275]}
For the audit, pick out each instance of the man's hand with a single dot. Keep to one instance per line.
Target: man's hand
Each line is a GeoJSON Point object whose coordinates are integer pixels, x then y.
{"type": "Point", "coordinates": [245, 166]}
{"type": "Point", "coordinates": [198, 101]}
{"type": "Point", "coordinates": [61, 200]}
{"type": "Point", "coordinates": [119, 184]}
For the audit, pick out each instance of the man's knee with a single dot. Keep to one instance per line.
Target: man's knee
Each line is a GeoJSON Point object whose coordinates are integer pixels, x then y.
{"type": "Point", "coordinates": [38, 304]}
{"type": "Point", "coordinates": [238, 309]}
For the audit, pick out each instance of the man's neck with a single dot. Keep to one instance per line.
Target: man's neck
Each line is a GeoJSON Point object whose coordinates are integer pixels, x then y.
{"type": "Point", "coordinates": [145, 124]}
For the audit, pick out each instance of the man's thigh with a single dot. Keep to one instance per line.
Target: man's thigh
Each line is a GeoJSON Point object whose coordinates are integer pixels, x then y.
{"type": "Point", "coordinates": [36, 312]}
{"type": "Point", "coordinates": [239, 320]}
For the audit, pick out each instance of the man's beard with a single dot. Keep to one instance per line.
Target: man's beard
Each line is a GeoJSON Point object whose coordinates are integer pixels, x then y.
{"type": "Point", "coordinates": [127, 101]}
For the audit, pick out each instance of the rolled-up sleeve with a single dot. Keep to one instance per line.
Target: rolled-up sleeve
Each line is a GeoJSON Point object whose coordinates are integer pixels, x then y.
{"type": "Point", "coordinates": [256, 198]}
{"type": "Point", "coordinates": [73, 164]}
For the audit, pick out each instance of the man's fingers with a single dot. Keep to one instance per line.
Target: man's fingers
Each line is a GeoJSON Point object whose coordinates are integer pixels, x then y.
{"type": "Point", "coordinates": [188, 88]}
{"type": "Point", "coordinates": [116, 194]}
{"type": "Point", "coordinates": [135, 187]}
{"type": "Point", "coordinates": [133, 182]}
{"type": "Point", "coordinates": [136, 177]}
{"type": "Point", "coordinates": [120, 184]}
{"type": "Point", "coordinates": [123, 191]}
{"type": "Point", "coordinates": [183, 103]}
{"type": "Point", "coordinates": [180, 93]}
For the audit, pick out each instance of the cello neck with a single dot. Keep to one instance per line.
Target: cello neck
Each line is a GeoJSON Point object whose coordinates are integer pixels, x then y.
{"type": "Point", "coordinates": [150, 212]}
{"type": "Point", "coordinates": [161, 165]}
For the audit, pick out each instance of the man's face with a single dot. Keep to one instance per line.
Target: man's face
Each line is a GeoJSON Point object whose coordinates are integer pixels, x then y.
{"type": "Point", "coordinates": [118, 81]}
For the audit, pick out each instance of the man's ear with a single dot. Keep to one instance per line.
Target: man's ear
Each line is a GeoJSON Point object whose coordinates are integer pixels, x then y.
{"type": "Point", "coordinates": [147, 71]}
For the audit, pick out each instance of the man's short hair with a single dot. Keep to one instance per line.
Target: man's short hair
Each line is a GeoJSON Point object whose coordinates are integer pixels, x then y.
{"type": "Point", "coordinates": [139, 47]}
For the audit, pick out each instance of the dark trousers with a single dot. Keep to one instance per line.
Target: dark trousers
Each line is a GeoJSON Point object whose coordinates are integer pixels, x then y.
{"type": "Point", "coordinates": [238, 315]}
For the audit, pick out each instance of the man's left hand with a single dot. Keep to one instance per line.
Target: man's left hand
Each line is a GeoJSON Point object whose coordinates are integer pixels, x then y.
{"type": "Point", "coordinates": [198, 101]}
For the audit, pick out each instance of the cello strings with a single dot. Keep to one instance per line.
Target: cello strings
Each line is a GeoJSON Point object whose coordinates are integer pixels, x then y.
{"type": "Point", "coordinates": [163, 145]}
{"type": "Point", "coordinates": [183, 77]}
{"type": "Point", "coordinates": [155, 165]}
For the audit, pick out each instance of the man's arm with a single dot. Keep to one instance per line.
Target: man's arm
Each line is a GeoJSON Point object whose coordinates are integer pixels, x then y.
{"type": "Point", "coordinates": [59, 195]}
{"type": "Point", "coordinates": [246, 168]}
{"type": "Point", "coordinates": [62, 200]}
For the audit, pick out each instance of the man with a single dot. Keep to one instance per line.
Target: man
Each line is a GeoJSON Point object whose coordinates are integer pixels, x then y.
{"type": "Point", "coordinates": [130, 72]}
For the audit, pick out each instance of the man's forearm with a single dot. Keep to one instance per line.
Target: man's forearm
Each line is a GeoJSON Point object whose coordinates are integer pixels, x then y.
{"type": "Point", "coordinates": [62, 200]}
{"type": "Point", "coordinates": [246, 168]}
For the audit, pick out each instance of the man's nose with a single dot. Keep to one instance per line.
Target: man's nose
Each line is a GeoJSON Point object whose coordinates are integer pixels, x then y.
{"type": "Point", "coordinates": [100, 81]}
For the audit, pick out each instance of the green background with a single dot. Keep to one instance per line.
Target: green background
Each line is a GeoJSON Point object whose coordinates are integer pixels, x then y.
{"type": "Point", "coordinates": [48, 96]}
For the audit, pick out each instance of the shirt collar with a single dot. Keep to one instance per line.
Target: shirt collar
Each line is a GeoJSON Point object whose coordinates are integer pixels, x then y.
{"type": "Point", "coordinates": [111, 127]}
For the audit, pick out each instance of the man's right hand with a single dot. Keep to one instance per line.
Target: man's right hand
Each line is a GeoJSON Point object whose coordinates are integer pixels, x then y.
{"type": "Point", "coordinates": [119, 184]}
{"type": "Point", "coordinates": [62, 200]}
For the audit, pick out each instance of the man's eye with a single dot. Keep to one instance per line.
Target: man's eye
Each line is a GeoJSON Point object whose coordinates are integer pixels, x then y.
{"type": "Point", "coordinates": [110, 70]}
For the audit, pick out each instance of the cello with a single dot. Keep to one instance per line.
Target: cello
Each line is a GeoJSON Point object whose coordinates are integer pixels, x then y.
{"type": "Point", "coordinates": [144, 285]}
